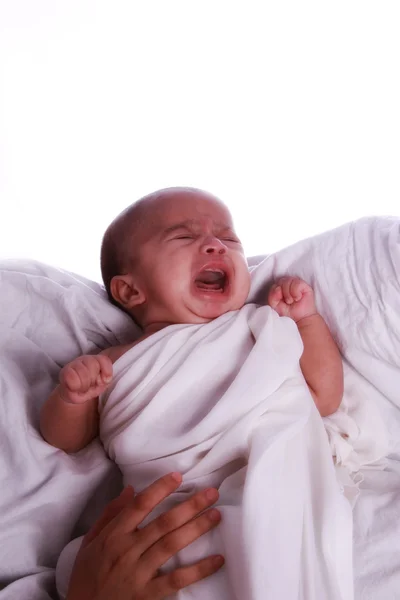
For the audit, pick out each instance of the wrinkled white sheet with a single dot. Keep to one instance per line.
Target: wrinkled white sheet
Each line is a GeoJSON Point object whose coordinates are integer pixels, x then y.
{"type": "Point", "coordinates": [48, 316]}
{"type": "Point", "coordinates": [207, 399]}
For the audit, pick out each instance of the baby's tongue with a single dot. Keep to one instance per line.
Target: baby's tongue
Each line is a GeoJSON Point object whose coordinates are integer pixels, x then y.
{"type": "Point", "coordinates": [209, 280]}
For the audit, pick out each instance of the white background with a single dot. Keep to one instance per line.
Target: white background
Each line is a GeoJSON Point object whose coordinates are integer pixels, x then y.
{"type": "Point", "coordinates": [289, 111]}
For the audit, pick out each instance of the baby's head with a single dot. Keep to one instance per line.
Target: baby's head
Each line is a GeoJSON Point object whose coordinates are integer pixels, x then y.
{"type": "Point", "coordinates": [173, 257]}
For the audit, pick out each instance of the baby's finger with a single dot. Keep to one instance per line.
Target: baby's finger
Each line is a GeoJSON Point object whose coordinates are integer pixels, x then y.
{"type": "Point", "coordinates": [98, 388]}
{"type": "Point", "coordinates": [106, 368]}
{"type": "Point", "coordinates": [275, 295]}
{"type": "Point", "coordinates": [174, 519]}
{"type": "Point", "coordinates": [175, 541]}
{"type": "Point", "coordinates": [70, 379]}
{"type": "Point", "coordinates": [166, 585]}
{"type": "Point", "coordinates": [92, 364]}
{"type": "Point", "coordinates": [90, 370]}
{"type": "Point", "coordinates": [286, 284]}
{"type": "Point", "coordinates": [299, 288]}
{"type": "Point", "coordinates": [87, 378]}
{"type": "Point", "coordinates": [110, 512]}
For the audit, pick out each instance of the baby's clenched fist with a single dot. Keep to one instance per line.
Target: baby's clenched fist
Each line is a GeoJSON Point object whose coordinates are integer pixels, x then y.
{"type": "Point", "coordinates": [85, 378]}
{"type": "Point", "coordinates": [292, 297]}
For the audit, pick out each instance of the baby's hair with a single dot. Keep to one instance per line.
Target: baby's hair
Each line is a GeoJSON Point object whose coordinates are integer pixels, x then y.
{"type": "Point", "coordinates": [113, 254]}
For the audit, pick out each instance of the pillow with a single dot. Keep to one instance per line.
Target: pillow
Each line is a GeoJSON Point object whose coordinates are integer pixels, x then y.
{"type": "Point", "coordinates": [355, 273]}
{"type": "Point", "coordinates": [47, 317]}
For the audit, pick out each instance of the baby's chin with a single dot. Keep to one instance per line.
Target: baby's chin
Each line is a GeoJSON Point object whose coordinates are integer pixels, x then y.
{"type": "Point", "coordinates": [204, 312]}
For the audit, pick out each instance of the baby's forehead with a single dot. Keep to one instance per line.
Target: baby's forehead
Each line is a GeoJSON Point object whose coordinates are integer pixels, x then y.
{"type": "Point", "coordinates": [152, 217]}
{"type": "Point", "coordinates": [192, 213]}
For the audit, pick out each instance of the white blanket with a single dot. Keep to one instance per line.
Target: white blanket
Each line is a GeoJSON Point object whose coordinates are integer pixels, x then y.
{"type": "Point", "coordinates": [227, 406]}
{"type": "Point", "coordinates": [47, 317]}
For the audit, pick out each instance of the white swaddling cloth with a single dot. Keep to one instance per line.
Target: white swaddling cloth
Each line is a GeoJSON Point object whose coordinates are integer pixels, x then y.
{"type": "Point", "coordinates": [226, 405]}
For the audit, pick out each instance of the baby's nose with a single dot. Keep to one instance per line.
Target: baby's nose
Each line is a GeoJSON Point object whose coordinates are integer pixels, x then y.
{"type": "Point", "coordinates": [213, 245]}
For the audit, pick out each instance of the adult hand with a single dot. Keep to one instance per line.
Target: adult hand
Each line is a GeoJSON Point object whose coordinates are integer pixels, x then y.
{"type": "Point", "coordinates": [119, 561]}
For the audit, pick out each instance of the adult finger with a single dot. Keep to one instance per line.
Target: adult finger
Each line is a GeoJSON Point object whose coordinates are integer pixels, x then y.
{"type": "Point", "coordinates": [142, 504]}
{"type": "Point", "coordinates": [166, 585]}
{"type": "Point", "coordinates": [174, 519]}
{"type": "Point", "coordinates": [110, 512]}
{"type": "Point", "coordinates": [171, 543]}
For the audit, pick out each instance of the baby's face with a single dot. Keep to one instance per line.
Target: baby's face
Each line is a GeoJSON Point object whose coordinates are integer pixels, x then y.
{"type": "Point", "coordinates": [191, 266]}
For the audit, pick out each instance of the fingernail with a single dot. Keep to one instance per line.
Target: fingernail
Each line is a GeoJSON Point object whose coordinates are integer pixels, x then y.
{"type": "Point", "coordinates": [176, 477]}
{"type": "Point", "coordinates": [211, 494]}
{"type": "Point", "coordinates": [218, 561]}
{"type": "Point", "coordinates": [214, 515]}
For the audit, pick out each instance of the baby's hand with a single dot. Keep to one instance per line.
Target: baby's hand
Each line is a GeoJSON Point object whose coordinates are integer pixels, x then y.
{"type": "Point", "coordinates": [85, 378]}
{"type": "Point", "coordinates": [292, 297]}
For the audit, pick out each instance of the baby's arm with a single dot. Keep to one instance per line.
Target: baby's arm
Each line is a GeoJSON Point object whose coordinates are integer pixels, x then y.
{"type": "Point", "coordinates": [321, 362]}
{"type": "Point", "coordinates": [69, 417]}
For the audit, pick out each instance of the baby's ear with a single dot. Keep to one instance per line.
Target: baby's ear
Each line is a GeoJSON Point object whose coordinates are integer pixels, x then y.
{"type": "Point", "coordinates": [125, 292]}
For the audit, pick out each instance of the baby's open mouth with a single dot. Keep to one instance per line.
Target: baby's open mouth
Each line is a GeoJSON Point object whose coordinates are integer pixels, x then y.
{"type": "Point", "coordinates": [213, 280]}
